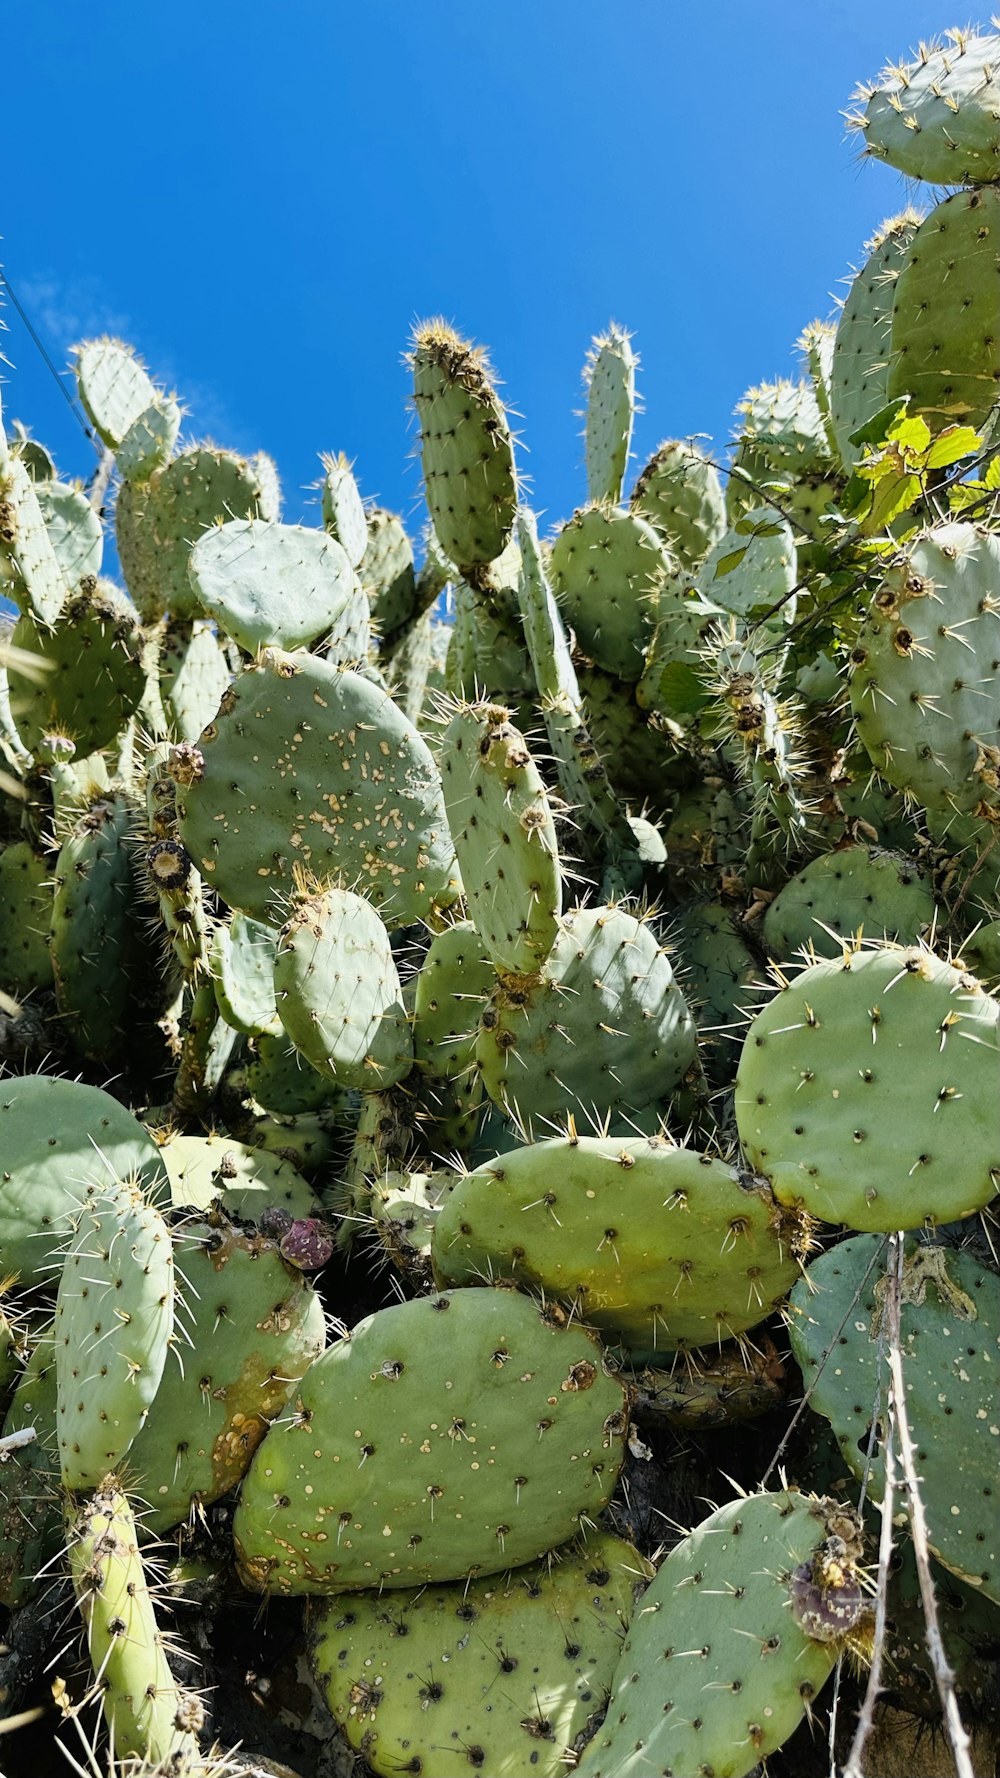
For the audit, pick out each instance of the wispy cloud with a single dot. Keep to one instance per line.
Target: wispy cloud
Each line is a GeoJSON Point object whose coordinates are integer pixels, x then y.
{"type": "Point", "coordinates": [62, 313]}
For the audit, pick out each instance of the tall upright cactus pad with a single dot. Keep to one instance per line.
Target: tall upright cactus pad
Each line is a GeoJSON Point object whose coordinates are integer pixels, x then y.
{"type": "Point", "coordinates": [946, 356]}
{"type": "Point", "coordinates": [679, 492]}
{"type": "Point", "coordinates": [860, 374]}
{"type": "Point", "coordinates": [242, 964]}
{"type": "Point", "coordinates": [386, 572]}
{"type": "Point", "coordinates": [159, 521]}
{"type": "Point", "coordinates": [92, 674]}
{"type": "Point", "coordinates": [113, 1329]}
{"type": "Point", "coordinates": [334, 778]}
{"type": "Point", "coordinates": [25, 897]}
{"type": "Point", "coordinates": [31, 1527]}
{"type": "Point", "coordinates": [949, 1343]}
{"type": "Point", "coordinates": [466, 447]}
{"type": "Point", "coordinates": [337, 991]}
{"type": "Point", "coordinates": [253, 1326]}
{"type": "Point", "coordinates": [782, 431]}
{"type": "Point", "coordinates": [343, 508]}
{"type": "Point", "coordinates": [29, 566]}
{"type": "Point", "coordinates": [150, 1717]}
{"type": "Point", "coordinates": [735, 1637]}
{"type": "Point", "coordinates": [502, 1674]}
{"type": "Point", "coordinates": [654, 1246]}
{"type": "Point", "coordinates": [609, 379]}
{"type": "Point", "coordinates": [604, 1029]}
{"type": "Point", "coordinates": [607, 567]}
{"type": "Point", "coordinates": [114, 387]}
{"type": "Point", "coordinates": [938, 118]}
{"type": "Point", "coordinates": [924, 684]}
{"type": "Point", "coordinates": [192, 674]}
{"type": "Point", "coordinates": [504, 835]}
{"type": "Point", "coordinates": [58, 1139]}
{"type": "Point", "coordinates": [99, 953]}
{"type": "Point", "coordinates": [453, 985]}
{"type": "Point", "coordinates": [453, 1436]}
{"type": "Point", "coordinates": [868, 1092]}
{"type": "Point", "coordinates": [74, 529]}
{"type": "Point", "coordinates": [268, 584]}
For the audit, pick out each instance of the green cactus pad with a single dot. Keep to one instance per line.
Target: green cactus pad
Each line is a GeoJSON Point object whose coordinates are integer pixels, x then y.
{"type": "Point", "coordinates": [654, 1246]}
{"type": "Point", "coordinates": [30, 564]}
{"type": "Point", "coordinates": [502, 1674]}
{"type": "Point", "coordinates": [924, 684]}
{"type": "Point", "coordinates": [679, 492]}
{"type": "Point", "coordinates": [386, 572]}
{"type": "Point", "coordinates": [950, 1344]}
{"type": "Point", "coordinates": [31, 1530]}
{"type": "Point", "coordinates": [193, 674]}
{"type": "Point", "coordinates": [59, 1139]}
{"type": "Point", "coordinates": [333, 778]}
{"type": "Point", "coordinates": [243, 972]}
{"type": "Point", "coordinates": [609, 379]}
{"type": "Point", "coordinates": [867, 1091]}
{"type": "Point", "coordinates": [718, 1668]}
{"type": "Point", "coordinates": [159, 521]}
{"type": "Point", "coordinates": [205, 1170]}
{"type": "Point", "coordinates": [149, 442]}
{"type": "Point", "coordinates": [752, 568]}
{"type": "Point", "coordinates": [938, 118]}
{"type": "Point", "coordinates": [842, 893]}
{"type": "Point", "coordinates": [343, 508]}
{"type": "Point", "coordinates": [604, 1027]}
{"type": "Point", "coordinates": [404, 1210]}
{"type": "Point", "coordinates": [278, 1078]}
{"type": "Point", "coordinates": [512, 1434]}
{"type": "Point", "coordinates": [113, 1328]}
{"type": "Point", "coordinates": [93, 677]}
{"type": "Point", "coordinates": [337, 991]}
{"type": "Point", "coordinates": [97, 945]}
{"type": "Point", "coordinates": [26, 900]}
{"type": "Point", "coordinates": [453, 985]}
{"type": "Point", "coordinates": [946, 356]}
{"type": "Point", "coordinates": [504, 835]}
{"type": "Point", "coordinates": [466, 448]}
{"type": "Point", "coordinates": [270, 585]}
{"type": "Point", "coordinates": [114, 387]}
{"type": "Point", "coordinates": [150, 1717]}
{"type": "Point", "coordinates": [607, 567]}
{"type": "Point", "coordinates": [782, 425]}
{"type": "Point", "coordinates": [860, 375]}
{"type": "Point", "coordinates": [254, 1326]}
{"type": "Point", "coordinates": [74, 529]}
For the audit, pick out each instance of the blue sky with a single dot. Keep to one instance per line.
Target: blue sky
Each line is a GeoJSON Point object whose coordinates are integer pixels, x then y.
{"type": "Point", "coordinates": [263, 197]}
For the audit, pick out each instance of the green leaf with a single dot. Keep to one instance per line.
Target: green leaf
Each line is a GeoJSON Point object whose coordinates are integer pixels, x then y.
{"type": "Point", "coordinates": [951, 444]}
{"type": "Point", "coordinates": [913, 435]}
{"type": "Point", "coordinates": [876, 430]}
{"type": "Point", "coordinates": [890, 497]}
{"type": "Point", "coordinates": [681, 690]}
{"type": "Point", "coordinates": [727, 563]}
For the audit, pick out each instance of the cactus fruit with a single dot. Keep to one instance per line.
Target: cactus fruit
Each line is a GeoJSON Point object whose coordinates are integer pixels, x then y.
{"type": "Point", "coordinates": [919, 1038]}
{"type": "Point", "coordinates": [654, 1246]}
{"type": "Point", "coordinates": [609, 379]}
{"type": "Point", "coordinates": [408, 1680]}
{"type": "Point", "coordinates": [270, 585]}
{"type": "Point", "coordinates": [950, 1330]}
{"type": "Point", "coordinates": [378, 819]}
{"type": "Point", "coordinates": [337, 990]}
{"type": "Point", "coordinates": [514, 1433]}
{"type": "Point", "coordinates": [113, 1329]}
{"type": "Point", "coordinates": [148, 1714]}
{"type": "Point", "coordinates": [504, 835]}
{"type": "Point", "coordinates": [706, 1687]}
{"type": "Point", "coordinates": [466, 447]}
{"type": "Point", "coordinates": [938, 118]}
